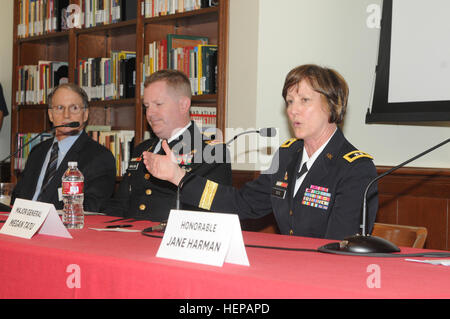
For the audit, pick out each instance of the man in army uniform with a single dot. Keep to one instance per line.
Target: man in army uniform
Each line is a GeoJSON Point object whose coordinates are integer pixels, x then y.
{"type": "Point", "coordinates": [167, 100]}
{"type": "Point", "coordinates": [317, 180]}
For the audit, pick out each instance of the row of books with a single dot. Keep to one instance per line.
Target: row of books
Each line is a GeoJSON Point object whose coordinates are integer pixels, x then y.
{"type": "Point", "coordinates": [37, 17]}
{"type": "Point", "coordinates": [22, 139]}
{"type": "Point", "coordinates": [189, 54]}
{"type": "Point", "coordinates": [115, 77]}
{"type": "Point", "coordinates": [101, 12]}
{"type": "Point", "coordinates": [155, 8]}
{"type": "Point", "coordinates": [108, 78]}
{"type": "Point", "coordinates": [35, 82]}
{"type": "Point", "coordinates": [118, 142]}
{"type": "Point", "coordinates": [205, 117]}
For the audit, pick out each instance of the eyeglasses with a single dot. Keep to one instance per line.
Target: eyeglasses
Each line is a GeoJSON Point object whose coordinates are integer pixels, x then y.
{"type": "Point", "coordinates": [73, 109]}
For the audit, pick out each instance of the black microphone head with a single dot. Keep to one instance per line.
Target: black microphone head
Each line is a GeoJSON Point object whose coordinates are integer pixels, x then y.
{"type": "Point", "coordinates": [72, 124]}
{"type": "Point", "coordinates": [268, 132]}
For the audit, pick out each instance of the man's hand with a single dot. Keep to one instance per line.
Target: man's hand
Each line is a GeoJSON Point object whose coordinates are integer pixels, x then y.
{"type": "Point", "coordinates": [164, 166]}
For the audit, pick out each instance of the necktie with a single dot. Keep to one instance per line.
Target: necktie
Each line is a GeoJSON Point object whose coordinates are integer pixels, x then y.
{"type": "Point", "coordinates": [302, 171]}
{"type": "Point", "coordinates": [51, 168]}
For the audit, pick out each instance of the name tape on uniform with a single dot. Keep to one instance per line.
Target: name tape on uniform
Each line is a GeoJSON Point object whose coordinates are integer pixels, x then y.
{"type": "Point", "coordinates": [27, 217]}
{"type": "Point", "coordinates": [205, 238]}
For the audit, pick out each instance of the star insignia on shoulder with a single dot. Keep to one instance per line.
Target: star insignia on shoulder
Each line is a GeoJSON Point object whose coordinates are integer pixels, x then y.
{"type": "Point", "coordinates": [354, 155]}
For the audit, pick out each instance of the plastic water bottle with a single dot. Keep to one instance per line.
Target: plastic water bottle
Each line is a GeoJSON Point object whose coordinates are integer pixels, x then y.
{"type": "Point", "coordinates": [73, 196]}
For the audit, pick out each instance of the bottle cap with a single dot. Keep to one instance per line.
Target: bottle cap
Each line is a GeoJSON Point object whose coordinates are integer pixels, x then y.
{"type": "Point", "coordinates": [72, 164]}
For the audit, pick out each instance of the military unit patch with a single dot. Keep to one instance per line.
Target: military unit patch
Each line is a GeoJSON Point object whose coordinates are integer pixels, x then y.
{"type": "Point", "coordinates": [316, 196]}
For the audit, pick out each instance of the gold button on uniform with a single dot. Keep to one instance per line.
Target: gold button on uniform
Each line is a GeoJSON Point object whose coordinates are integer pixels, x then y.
{"type": "Point", "coordinates": [291, 232]}
{"type": "Point", "coordinates": [142, 207]}
{"type": "Point", "coordinates": [147, 176]}
{"type": "Point", "coordinates": [148, 191]}
{"type": "Point", "coordinates": [290, 213]}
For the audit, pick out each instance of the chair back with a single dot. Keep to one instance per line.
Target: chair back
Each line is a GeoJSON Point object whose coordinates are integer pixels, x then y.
{"type": "Point", "coordinates": [401, 235]}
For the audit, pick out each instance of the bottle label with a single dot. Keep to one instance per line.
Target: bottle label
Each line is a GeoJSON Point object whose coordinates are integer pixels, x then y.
{"type": "Point", "coordinates": [72, 188]}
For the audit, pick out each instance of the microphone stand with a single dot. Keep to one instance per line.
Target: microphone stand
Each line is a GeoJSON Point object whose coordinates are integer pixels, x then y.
{"type": "Point", "coordinates": [71, 124]}
{"type": "Point", "coordinates": [237, 135]}
{"type": "Point", "coordinates": [264, 132]}
{"type": "Point", "coordinates": [364, 244]}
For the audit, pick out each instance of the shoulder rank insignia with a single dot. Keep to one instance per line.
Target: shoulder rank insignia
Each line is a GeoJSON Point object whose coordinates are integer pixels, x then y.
{"type": "Point", "coordinates": [288, 143]}
{"type": "Point", "coordinates": [354, 155]}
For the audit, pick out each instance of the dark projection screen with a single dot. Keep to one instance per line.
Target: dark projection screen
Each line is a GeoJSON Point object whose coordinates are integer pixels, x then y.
{"type": "Point", "coordinates": [413, 71]}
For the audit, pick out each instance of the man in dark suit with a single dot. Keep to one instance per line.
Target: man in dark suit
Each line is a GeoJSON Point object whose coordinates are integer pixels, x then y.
{"type": "Point", "coordinates": [167, 101]}
{"type": "Point", "coordinates": [316, 182]}
{"type": "Point", "coordinates": [47, 162]}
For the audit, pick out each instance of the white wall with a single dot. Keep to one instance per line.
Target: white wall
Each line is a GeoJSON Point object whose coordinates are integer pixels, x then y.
{"type": "Point", "coordinates": [330, 33]}
{"type": "Point", "coordinates": [6, 40]}
{"type": "Point", "coordinates": [242, 72]}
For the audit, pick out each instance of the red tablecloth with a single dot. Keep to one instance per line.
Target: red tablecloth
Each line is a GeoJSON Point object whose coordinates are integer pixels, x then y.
{"type": "Point", "coordinates": [124, 265]}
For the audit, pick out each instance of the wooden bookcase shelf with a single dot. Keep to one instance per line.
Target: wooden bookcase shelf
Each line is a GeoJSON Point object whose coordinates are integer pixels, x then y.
{"type": "Point", "coordinates": [133, 35]}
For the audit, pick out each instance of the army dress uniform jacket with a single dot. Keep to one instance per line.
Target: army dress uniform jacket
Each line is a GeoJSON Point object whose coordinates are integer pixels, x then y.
{"type": "Point", "coordinates": [142, 196]}
{"type": "Point", "coordinates": [327, 204]}
{"type": "Point", "coordinates": [95, 162]}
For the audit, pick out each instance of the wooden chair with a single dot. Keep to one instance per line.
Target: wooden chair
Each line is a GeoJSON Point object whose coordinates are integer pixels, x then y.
{"type": "Point", "coordinates": [401, 235]}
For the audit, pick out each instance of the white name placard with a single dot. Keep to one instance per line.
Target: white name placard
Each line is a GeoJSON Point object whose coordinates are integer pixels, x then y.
{"type": "Point", "coordinates": [27, 217]}
{"type": "Point", "coordinates": [206, 238]}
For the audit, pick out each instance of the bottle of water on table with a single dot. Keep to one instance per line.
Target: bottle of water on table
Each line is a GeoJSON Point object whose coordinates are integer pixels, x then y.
{"type": "Point", "coordinates": [73, 196]}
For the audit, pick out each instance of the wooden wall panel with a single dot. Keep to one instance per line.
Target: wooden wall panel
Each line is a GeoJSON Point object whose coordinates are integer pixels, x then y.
{"type": "Point", "coordinates": [387, 209]}
{"type": "Point", "coordinates": [427, 212]}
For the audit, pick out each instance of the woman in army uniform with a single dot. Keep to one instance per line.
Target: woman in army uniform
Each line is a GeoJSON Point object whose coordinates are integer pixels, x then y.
{"type": "Point", "coordinates": [316, 181]}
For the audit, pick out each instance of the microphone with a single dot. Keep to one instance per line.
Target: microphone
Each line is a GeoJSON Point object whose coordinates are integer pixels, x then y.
{"type": "Point", "coordinates": [268, 132]}
{"type": "Point", "coordinates": [264, 132]}
{"type": "Point", "coordinates": [71, 124]}
{"type": "Point", "coordinates": [363, 244]}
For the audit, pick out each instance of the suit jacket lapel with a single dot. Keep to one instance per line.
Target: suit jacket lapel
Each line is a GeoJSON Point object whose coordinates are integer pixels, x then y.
{"type": "Point", "coordinates": [37, 164]}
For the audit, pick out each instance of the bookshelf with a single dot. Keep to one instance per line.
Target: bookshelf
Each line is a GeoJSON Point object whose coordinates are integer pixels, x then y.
{"type": "Point", "coordinates": [98, 42]}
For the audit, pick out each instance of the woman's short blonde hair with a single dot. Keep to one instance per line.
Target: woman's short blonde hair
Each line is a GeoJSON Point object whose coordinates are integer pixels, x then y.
{"type": "Point", "coordinates": [325, 81]}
